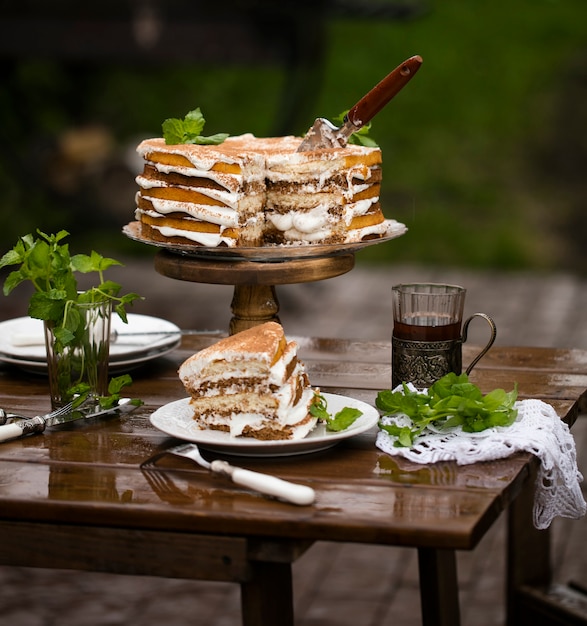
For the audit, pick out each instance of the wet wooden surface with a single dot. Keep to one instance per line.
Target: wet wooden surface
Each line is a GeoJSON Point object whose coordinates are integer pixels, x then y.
{"type": "Point", "coordinates": [86, 478]}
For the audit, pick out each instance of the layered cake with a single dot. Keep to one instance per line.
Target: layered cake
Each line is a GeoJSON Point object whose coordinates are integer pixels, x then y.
{"type": "Point", "coordinates": [251, 384]}
{"type": "Point", "coordinates": [250, 191]}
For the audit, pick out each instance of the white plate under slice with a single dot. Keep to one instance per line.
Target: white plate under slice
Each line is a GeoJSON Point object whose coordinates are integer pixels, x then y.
{"type": "Point", "coordinates": [176, 419]}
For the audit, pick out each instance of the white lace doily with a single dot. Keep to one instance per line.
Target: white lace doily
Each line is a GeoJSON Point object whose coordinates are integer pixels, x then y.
{"type": "Point", "coordinates": [537, 429]}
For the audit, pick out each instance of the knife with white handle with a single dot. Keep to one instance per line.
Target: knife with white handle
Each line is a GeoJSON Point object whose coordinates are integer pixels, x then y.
{"type": "Point", "coordinates": [38, 424]}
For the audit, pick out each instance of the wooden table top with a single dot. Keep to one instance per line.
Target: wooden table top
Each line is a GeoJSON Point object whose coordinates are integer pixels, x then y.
{"type": "Point", "coordinates": [88, 473]}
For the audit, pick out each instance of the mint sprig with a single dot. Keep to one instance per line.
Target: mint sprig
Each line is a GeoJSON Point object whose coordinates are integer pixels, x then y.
{"type": "Point", "coordinates": [115, 386]}
{"type": "Point", "coordinates": [189, 130]}
{"type": "Point", "coordinates": [451, 401]}
{"type": "Point", "coordinates": [46, 262]}
{"type": "Point", "coordinates": [340, 421]}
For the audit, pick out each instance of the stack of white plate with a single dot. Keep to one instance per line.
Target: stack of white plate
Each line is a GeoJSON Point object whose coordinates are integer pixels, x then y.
{"type": "Point", "coordinates": [22, 341]}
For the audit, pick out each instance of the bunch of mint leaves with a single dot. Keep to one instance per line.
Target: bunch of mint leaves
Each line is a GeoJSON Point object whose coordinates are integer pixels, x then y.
{"type": "Point", "coordinates": [340, 421]}
{"type": "Point", "coordinates": [189, 130]}
{"type": "Point", "coordinates": [45, 261]}
{"type": "Point", "coordinates": [449, 402]}
{"type": "Point", "coordinates": [81, 391]}
{"type": "Point", "coordinates": [360, 137]}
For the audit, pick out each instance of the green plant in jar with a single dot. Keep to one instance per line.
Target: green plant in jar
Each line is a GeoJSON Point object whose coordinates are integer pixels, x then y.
{"type": "Point", "coordinates": [77, 323]}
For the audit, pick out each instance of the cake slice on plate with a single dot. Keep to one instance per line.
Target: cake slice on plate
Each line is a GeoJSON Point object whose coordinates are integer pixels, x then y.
{"type": "Point", "coordinates": [251, 384]}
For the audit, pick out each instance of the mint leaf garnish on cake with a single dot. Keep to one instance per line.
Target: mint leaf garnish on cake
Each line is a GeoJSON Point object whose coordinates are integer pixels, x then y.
{"type": "Point", "coordinates": [189, 130]}
{"type": "Point", "coordinates": [340, 421]}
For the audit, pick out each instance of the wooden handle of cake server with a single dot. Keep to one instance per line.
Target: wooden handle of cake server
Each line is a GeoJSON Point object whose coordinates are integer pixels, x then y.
{"type": "Point", "coordinates": [265, 484]}
{"type": "Point", "coordinates": [369, 105]}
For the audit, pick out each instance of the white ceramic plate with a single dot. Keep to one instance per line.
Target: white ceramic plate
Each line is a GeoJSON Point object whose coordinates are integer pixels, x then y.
{"type": "Point", "coordinates": [268, 253]}
{"type": "Point", "coordinates": [176, 419]}
{"type": "Point", "coordinates": [126, 350]}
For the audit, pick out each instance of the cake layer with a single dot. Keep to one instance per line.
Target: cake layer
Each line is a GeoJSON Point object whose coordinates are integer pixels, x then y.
{"type": "Point", "coordinates": [328, 224]}
{"type": "Point", "coordinates": [260, 425]}
{"type": "Point", "coordinates": [178, 228]}
{"type": "Point", "coordinates": [200, 195]}
{"type": "Point", "coordinates": [277, 403]}
{"type": "Point", "coordinates": [259, 352]}
{"type": "Point", "coordinates": [222, 158]}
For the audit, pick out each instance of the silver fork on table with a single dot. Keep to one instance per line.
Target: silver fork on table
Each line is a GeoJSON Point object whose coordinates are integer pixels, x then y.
{"type": "Point", "coordinates": [262, 483]}
{"type": "Point", "coordinates": [8, 418]}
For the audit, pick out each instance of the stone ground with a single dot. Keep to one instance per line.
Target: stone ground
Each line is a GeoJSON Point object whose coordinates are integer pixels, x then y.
{"type": "Point", "coordinates": [334, 584]}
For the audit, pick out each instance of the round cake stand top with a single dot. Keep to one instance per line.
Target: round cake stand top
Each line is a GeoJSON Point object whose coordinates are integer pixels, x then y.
{"type": "Point", "coordinates": [227, 271]}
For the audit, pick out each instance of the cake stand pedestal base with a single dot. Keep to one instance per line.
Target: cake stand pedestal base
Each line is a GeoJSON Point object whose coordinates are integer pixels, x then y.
{"type": "Point", "coordinates": [255, 298]}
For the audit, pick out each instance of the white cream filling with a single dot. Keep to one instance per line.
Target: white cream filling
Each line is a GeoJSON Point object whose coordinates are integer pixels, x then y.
{"type": "Point", "coordinates": [356, 234]}
{"type": "Point", "coordinates": [229, 198]}
{"type": "Point", "coordinates": [287, 416]}
{"type": "Point", "coordinates": [202, 161]}
{"type": "Point", "coordinates": [210, 240]}
{"type": "Point", "coordinates": [307, 222]}
{"type": "Point", "coordinates": [223, 216]}
{"type": "Point", "coordinates": [296, 235]}
{"type": "Point", "coordinates": [357, 209]}
{"type": "Point", "coordinates": [279, 368]}
{"type": "Point", "coordinates": [222, 178]}
{"type": "Point", "coordinates": [358, 188]}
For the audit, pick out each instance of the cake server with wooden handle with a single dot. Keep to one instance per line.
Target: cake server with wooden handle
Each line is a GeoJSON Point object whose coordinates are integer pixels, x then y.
{"type": "Point", "coordinates": [262, 483]}
{"type": "Point", "coordinates": [22, 427]}
{"type": "Point", "coordinates": [323, 134]}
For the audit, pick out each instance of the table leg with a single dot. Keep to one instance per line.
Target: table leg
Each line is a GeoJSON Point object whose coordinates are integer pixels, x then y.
{"type": "Point", "coordinates": [267, 597]}
{"type": "Point", "coordinates": [528, 555]}
{"type": "Point", "coordinates": [439, 589]}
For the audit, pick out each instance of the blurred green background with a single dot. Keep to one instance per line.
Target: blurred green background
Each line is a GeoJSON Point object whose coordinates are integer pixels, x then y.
{"type": "Point", "coordinates": [485, 151]}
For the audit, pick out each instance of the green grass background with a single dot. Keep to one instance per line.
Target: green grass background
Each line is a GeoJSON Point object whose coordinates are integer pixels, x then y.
{"type": "Point", "coordinates": [476, 148]}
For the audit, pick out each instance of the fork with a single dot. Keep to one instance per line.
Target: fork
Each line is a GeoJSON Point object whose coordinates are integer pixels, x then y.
{"type": "Point", "coordinates": [7, 418]}
{"type": "Point", "coordinates": [262, 483]}
{"type": "Point", "coordinates": [166, 489]}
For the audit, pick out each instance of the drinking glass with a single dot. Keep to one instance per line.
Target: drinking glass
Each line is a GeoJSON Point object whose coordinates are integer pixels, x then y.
{"type": "Point", "coordinates": [84, 360]}
{"type": "Point", "coordinates": [428, 332]}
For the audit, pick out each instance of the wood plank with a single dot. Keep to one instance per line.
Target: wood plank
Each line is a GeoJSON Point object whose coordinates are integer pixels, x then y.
{"type": "Point", "coordinates": [558, 605]}
{"type": "Point", "coordinates": [534, 383]}
{"type": "Point", "coordinates": [528, 358]}
{"type": "Point", "coordinates": [356, 500]}
{"type": "Point", "coordinates": [124, 551]}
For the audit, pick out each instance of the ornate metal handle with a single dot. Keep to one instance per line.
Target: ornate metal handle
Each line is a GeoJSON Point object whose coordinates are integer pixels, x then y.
{"type": "Point", "coordinates": [489, 343]}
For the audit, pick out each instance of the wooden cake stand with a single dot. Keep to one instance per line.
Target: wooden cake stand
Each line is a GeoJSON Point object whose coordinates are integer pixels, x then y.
{"type": "Point", "coordinates": [254, 272]}
{"type": "Point", "coordinates": [255, 299]}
